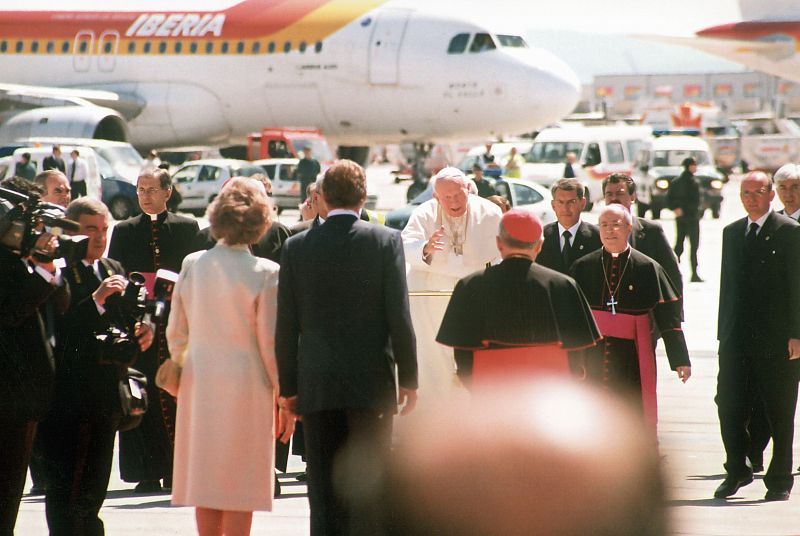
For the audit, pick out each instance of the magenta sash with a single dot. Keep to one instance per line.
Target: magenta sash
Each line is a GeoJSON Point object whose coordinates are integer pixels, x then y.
{"type": "Point", "coordinates": [513, 363]}
{"type": "Point", "coordinates": [638, 329]}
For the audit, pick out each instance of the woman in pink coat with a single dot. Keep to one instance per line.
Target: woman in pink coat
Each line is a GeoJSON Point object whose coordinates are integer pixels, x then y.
{"type": "Point", "coordinates": [221, 330]}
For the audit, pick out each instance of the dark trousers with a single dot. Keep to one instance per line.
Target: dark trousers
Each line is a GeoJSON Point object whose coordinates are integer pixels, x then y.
{"type": "Point", "coordinates": [15, 454]}
{"type": "Point", "coordinates": [78, 189]}
{"type": "Point", "coordinates": [341, 499]}
{"type": "Point", "coordinates": [758, 429]}
{"type": "Point", "coordinates": [688, 226]}
{"type": "Point", "coordinates": [78, 453]}
{"type": "Point", "coordinates": [741, 380]}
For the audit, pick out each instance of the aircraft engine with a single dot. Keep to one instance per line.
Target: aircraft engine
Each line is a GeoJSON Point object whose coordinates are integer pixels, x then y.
{"type": "Point", "coordinates": [65, 122]}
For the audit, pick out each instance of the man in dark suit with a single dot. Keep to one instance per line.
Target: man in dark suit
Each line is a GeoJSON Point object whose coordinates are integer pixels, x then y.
{"type": "Point", "coordinates": [26, 364]}
{"type": "Point", "coordinates": [146, 243]}
{"type": "Point", "coordinates": [54, 161]}
{"type": "Point", "coordinates": [78, 433]}
{"type": "Point", "coordinates": [759, 336]}
{"type": "Point", "coordinates": [787, 184]}
{"type": "Point", "coordinates": [343, 331]}
{"type": "Point", "coordinates": [684, 198]}
{"type": "Point", "coordinates": [647, 237]}
{"type": "Point", "coordinates": [568, 239]}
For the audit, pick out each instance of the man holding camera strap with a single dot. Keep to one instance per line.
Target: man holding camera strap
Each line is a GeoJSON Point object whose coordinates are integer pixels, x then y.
{"type": "Point", "coordinates": [78, 433]}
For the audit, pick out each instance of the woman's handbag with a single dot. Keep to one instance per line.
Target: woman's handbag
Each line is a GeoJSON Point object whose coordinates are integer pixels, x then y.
{"type": "Point", "coordinates": [133, 398]}
{"type": "Point", "coordinates": [168, 376]}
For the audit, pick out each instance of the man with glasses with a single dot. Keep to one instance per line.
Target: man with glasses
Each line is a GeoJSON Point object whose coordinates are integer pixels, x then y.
{"type": "Point", "coordinates": [153, 240]}
{"type": "Point", "coordinates": [630, 295]}
{"type": "Point", "coordinates": [759, 336]}
{"type": "Point", "coordinates": [569, 238]}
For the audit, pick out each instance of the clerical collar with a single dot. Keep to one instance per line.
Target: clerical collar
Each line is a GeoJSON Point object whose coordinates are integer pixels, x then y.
{"type": "Point", "coordinates": [615, 255]}
{"type": "Point", "coordinates": [157, 217]}
{"type": "Point", "coordinates": [760, 222]}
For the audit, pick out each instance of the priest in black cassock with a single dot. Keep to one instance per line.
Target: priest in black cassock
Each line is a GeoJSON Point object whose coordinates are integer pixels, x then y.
{"type": "Point", "coordinates": [516, 304]}
{"type": "Point", "coordinates": [153, 240]}
{"type": "Point", "coordinates": [628, 292]}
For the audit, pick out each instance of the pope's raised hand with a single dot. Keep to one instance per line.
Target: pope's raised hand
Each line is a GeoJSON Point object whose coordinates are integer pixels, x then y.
{"type": "Point", "coordinates": [435, 243]}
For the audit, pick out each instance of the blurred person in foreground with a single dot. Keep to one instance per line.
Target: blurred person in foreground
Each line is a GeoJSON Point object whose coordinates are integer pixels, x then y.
{"type": "Point", "coordinates": [547, 457]}
{"type": "Point", "coordinates": [517, 317]}
{"type": "Point", "coordinates": [224, 452]}
{"type": "Point", "coordinates": [630, 294]}
{"type": "Point", "coordinates": [345, 347]}
{"type": "Point", "coordinates": [26, 359]}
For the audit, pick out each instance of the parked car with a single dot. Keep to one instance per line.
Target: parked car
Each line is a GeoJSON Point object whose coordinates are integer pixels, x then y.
{"type": "Point", "coordinates": [285, 187]}
{"type": "Point", "coordinates": [199, 181]}
{"type": "Point", "coordinates": [118, 194]}
{"type": "Point", "coordinates": [659, 162]}
{"type": "Point", "coordinates": [521, 193]}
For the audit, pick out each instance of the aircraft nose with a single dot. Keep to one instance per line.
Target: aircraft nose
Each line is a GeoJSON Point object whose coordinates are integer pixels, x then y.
{"type": "Point", "coordinates": [554, 87]}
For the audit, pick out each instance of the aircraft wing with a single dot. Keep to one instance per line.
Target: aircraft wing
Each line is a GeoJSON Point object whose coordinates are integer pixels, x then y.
{"type": "Point", "coordinates": [35, 96]}
{"type": "Point", "coordinates": [772, 57]}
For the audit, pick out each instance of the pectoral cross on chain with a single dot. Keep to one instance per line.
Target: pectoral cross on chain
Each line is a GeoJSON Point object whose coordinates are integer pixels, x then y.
{"type": "Point", "coordinates": [613, 304]}
{"type": "Point", "coordinates": [458, 246]}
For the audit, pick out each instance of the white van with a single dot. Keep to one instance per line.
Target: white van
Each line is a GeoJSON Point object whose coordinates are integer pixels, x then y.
{"type": "Point", "coordinates": [124, 159]}
{"type": "Point", "coordinates": [600, 151]}
{"type": "Point", "coordinates": [38, 154]}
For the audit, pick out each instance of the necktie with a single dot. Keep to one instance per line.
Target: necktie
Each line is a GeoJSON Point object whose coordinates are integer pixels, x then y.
{"type": "Point", "coordinates": [752, 233]}
{"type": "Point", "coordinates": [72, 171]}
{"type": "Point", "coordinates": [565, 251]}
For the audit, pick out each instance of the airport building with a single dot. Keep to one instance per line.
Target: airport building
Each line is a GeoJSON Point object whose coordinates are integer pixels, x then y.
{"type": "Point", "coordinates": [738, 93]}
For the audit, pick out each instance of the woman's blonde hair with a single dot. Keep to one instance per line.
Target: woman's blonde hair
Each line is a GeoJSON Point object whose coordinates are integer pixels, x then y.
{"type": "Point", "coordinates": [240, 214]}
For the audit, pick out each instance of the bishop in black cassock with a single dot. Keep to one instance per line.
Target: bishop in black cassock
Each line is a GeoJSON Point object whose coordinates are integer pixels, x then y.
{"type": "Point", "coordinates": [153, 240]}
{"type": "Point", "coordinates": [630, 294]}
{"type": "Point", "coordinates": [516, 303]}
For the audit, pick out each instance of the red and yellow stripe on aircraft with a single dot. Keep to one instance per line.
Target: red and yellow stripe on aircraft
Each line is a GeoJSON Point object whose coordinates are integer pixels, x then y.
{"type": "Point", "coordinates": [754, 31]}
{"type": "Point", "coordinates": [249, 27]}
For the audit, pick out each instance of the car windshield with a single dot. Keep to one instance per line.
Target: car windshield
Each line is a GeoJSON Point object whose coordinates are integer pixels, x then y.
{"type": "Point", "coordinates": [553, 152]}
{"type": "Point", "coordinates": [246, 171]}
{"type": "Point", "coordinates": [427, 195]}
{"type": "Point", "coordinates": [675, 157]}
{"type": "Point", "coordinates": [319, 149]}
{"type": "Point", "coordinates": [121, 154]}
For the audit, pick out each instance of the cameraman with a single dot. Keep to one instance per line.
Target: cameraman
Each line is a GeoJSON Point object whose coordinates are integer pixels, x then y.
{"type": "Point", "coordinates": [26, 364]}
{"type": "Point", "coordinates": [78, 433]}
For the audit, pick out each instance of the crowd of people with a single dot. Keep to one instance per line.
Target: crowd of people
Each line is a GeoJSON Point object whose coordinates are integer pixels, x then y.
{"type": "Point", "coordinates": [342, 324]}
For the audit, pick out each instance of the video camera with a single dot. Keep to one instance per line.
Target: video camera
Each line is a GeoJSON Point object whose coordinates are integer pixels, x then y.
{"type": "Point", "coordinates": [117, 344]}
{"type": "Point", "coordinates": [21, 219]}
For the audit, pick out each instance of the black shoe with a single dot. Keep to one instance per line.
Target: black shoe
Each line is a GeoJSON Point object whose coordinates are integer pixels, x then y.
{"type": "Point", "coordinates": [147, 486]}
{"type": "Point", "coordinates": [37, 489]}
{"type": "Point", "coordinates": [302, 477]}
{"type": "Point", "coordinates": [773, 495]}
{"type": "Point", "coordinates": [731, 485]}
{"type": "Point", "coordinates": [696, 278]}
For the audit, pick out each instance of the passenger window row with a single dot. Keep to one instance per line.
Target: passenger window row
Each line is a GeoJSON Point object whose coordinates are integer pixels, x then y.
{"type": "Point", "coordinates": [107, 46]}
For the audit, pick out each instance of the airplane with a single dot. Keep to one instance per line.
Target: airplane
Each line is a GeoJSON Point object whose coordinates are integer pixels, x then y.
{"type": "Point", "coordinates": [363, 71]}
{"type": "Point", "coordinates": [765, 40]}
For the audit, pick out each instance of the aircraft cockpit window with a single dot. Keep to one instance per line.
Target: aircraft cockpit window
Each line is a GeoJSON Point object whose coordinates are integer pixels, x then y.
{"type": "Point", "coordinates": [3, 46]}
{"type": "Point", "coordinates": [131, 47]}
{"type": "Point", "coordinates": [35, 47]}
{"type": "Point", "coordinates": [458, 44]}
{"type": "Point", "coordinates": [513, 41]}
{"type": "Point", "coordinates": [224, 48]}
{"type": "Point", "coordinates": [482, 43]}
{"type": "Point", "coordinates": [178, 47]}
{"type": "Point", "coordinates": [50, 47]}
{"type": "Point", "coordinates": [193, 48]}
{"type": "Point", "coordinates": [147, 47]}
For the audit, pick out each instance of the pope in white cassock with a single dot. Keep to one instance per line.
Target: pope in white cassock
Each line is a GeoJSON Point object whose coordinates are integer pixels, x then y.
{"type": "Point", "coordinates": [446, 238]}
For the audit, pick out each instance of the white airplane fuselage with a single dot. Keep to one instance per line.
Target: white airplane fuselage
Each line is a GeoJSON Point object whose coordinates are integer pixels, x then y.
{"type": "Point", "coordinates": [385, 76]}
